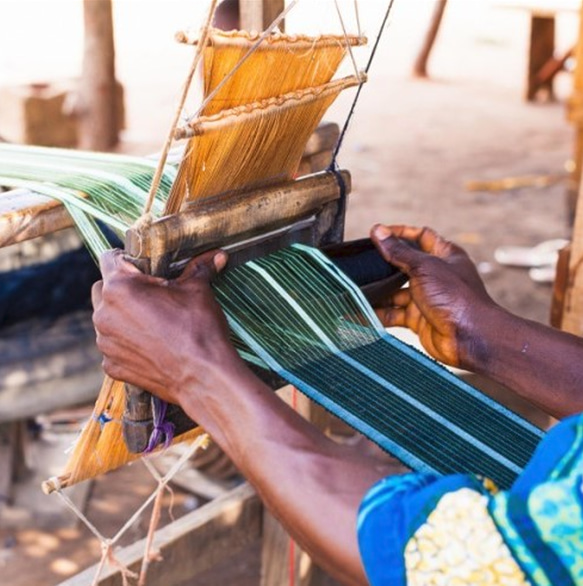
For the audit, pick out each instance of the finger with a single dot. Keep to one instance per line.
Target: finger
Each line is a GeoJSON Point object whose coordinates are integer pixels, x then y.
{"type": "Point", "coordinates": [392, 317]}
{"type": "Point", "coordinates": [96, 294]}
{"type": "Point", "coordinates": [205, 266]}
{"type": "Point", "coordinates": [113, 262]}
{"type": "Point", "coordinates": [413, 318]}
{"type": "Point", "coordinates": [400, 298]}
{"type": "Point", "coordinates": [427, 239]}
{"type": "Point", "coordinates": [395, 250]}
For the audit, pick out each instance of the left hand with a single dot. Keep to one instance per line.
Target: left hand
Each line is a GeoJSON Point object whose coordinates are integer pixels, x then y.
{"type": "Point", "coordinates": [161, 334]}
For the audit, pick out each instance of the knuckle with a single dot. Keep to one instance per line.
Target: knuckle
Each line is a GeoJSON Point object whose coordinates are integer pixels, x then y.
{"type": "Point", "coordinates": [112, 369]}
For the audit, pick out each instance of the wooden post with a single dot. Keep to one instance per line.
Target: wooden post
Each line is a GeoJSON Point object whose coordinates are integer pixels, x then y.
{"type": "Point", "coordinates": [542, 49]}
{"type": "Point", "coordinates": [572, 299]}
{"type": "Point", "coordinates": [98, 110]}
{"type": "Point", "coordinates": [257, 15]}
{"type": "Point", "coordinates": [420, 66]}
{"type": "Point", "coordinates": [575, 116]}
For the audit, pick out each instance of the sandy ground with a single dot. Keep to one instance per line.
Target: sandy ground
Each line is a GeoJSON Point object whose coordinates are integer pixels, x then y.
{"type": "Point", "coordinates": [412, 148]}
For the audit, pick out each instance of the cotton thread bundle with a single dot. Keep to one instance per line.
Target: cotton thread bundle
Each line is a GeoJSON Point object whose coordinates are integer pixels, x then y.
{"type": "Point", "coordinates": [281, 64]}
{"type": "Point", "coordinates": [258, 121]}
{"type": "Point", "coordinates": [295, 63]}
{"type": "Point", "coordinates": [263, 143]}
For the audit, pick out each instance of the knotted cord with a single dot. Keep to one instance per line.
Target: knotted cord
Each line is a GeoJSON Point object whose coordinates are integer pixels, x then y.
{"type": "Point", "coordinates": [108, 543]}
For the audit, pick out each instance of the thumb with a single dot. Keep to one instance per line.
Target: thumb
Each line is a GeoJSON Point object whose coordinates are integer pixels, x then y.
{"type": "Point", "coordinates": [205, 266]}
{"type": "Point", "coordinates": [395, 250]}
{"type": "Point", "coordinates": [113, 262]}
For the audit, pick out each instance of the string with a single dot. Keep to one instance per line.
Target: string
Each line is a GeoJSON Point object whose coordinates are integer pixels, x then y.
{"type": "Point", "coordinates": [185, 89]}
{"type": "Point", "coordinates": [334, 163]}
{"type": "Point", "coordinates": [108, 543]}
{"type": "Point", "coordinates": [306, 321]}
{"type": "Point", "coordinates": [357, 14]}
{"type": "Point", "coordinates": [356, 72]}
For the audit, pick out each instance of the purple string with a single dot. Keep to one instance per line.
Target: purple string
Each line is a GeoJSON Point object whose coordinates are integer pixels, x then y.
{"type": "Point", "coordinates": [162, 428]}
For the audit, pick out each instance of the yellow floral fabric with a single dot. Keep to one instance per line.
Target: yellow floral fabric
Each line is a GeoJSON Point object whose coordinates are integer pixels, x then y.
{"type": "Point", "coordinates": [459, 545]}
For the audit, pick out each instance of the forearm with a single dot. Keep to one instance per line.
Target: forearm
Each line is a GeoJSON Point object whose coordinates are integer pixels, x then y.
{"type": "Point", "coordinates": [541, 364]}
{"type": "Point", "coordinates": [312, 485]}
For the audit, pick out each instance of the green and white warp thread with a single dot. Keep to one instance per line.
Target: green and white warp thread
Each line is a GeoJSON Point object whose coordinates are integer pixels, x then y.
{"type": "Point", "coordinates": [116, 186]}
{"type": "Point", "coordinates": [298, 314]}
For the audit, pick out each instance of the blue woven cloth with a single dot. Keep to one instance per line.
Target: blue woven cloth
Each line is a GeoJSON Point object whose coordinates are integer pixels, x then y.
{"type": "Point", "coordinates": [427, 529]}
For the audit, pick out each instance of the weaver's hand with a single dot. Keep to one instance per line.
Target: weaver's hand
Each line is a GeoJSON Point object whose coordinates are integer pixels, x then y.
{"type": "Point", "coordinates": [150, 330]}
{"type": "Point", "coordinates": [446, 302]}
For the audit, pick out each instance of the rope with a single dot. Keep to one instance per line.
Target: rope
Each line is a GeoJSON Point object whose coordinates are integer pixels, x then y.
{"type": "Point", "coordinates": [334, 163]}
{"type": "Point", "coordinates": [350, 51]}
{"type": "Point", "coordinates": [357, 15]}
{"type": "Point", "coordinates": [107, 544]}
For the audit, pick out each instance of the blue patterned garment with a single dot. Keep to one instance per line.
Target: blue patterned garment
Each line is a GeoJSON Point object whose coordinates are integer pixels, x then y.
{"type": "Point", "coordinates": [429, 530]}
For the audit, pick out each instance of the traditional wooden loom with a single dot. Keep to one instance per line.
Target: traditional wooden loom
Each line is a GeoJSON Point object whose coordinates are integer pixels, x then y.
{"type": "Point", "coordinates": [223, 210]}
{"type": "Point", "coordinates": [309, 210]}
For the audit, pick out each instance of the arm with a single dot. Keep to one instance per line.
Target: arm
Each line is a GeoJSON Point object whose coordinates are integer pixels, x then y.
{"type": "Point", "coordinates": [171, 338]}
{"type": "Point", "coordinates": [459, 324]}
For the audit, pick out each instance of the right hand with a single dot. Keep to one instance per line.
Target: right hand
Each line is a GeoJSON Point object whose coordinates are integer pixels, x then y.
{"type": "Point", "coordinates": [167, 337]}
{"type": "Point", "coordinates": [446, 302]}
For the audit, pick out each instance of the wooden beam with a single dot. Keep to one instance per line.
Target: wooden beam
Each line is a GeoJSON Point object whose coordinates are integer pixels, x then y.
{"type": "Point", "coordinates": [257, 15]}
{"type": "Point", "coordinates": [25, 215]}
{"type": "Point", "coordinates": [222, 220]}
{"type": "Point", "coordinates": [323, 139]}
{"type": "Point", "coordinates": [192, 544]}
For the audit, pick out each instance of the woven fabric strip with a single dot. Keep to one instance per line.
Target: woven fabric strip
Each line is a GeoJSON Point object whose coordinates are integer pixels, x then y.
{"type": "Point", "coordinates": [298, 314]}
